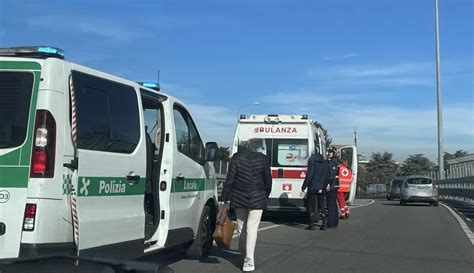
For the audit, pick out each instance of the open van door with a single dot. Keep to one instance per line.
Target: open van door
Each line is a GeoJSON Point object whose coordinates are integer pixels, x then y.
{"type": "Point", "coordinates": [111, 166]}
{"type": "Point", "coordinates": [18, 90]}
{"type": "Point", "coordinates": [349, 156]}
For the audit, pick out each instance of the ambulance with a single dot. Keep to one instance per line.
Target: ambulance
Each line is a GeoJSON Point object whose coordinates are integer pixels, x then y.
{"type": "Point", "coordinates": [96, 165]}
{"type": "Point", "coordinates": [287, 141]}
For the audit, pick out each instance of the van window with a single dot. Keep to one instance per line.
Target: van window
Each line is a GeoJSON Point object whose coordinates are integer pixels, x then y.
{"type": "Point", "coordinates": [187, 137]}
{"type": "Point", "coordinates": [15, 97]}
{"type": "Point", "coordinates": [108, 117]}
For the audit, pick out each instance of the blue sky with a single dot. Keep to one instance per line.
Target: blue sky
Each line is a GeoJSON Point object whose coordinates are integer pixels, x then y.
{"type": "Point", "coordinates": [367, 65]}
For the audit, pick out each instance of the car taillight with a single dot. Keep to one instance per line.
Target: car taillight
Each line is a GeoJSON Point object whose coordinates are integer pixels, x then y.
{"type": "Point", "coordinates": [435, 185]}
{"type": "Point", "coordinates": [29, 217]}
{"type": "Point", "coordinates": [44, 145]}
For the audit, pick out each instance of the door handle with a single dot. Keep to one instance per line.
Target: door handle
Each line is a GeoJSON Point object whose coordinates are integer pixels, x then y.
{"type": "Point", "coordinates": [280, 173]}
{"type": "Point", "coordinates": [132, 178]}
{"type": "Point", "coordinates": [180, 178]}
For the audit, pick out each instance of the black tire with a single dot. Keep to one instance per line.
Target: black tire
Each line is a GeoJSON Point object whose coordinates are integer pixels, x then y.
{"type": "Point", "coordinates": [389, 198]}
{"type": "Point", "coordinates": [201, 246]}
{"type": "Point", "coordinates": [402, 203]}
{"type": "Point", "coordinates": [435, 203]}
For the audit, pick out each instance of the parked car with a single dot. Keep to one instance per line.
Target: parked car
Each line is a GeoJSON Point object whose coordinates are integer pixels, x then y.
{"type": "Point", "coordinates": [393, 190]}
{"type": "Point", "coordinates": [419, 188]}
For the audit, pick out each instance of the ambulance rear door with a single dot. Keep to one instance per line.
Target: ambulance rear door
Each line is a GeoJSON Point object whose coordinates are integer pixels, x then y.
{"type": "Point", "coordinates": [349, 157]}
{"type": "Point", "coordinates": [19, 81]}
{"type": "Point", "coordinates": [111, 155]}
{"type": "Point", "coordinates": [290, 153]}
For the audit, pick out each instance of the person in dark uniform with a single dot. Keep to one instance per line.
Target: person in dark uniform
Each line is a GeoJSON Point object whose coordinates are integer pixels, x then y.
{"type": "Point", "coordinates": [331, 195]}
{"type": "Point", "coordinates": [317, 183]}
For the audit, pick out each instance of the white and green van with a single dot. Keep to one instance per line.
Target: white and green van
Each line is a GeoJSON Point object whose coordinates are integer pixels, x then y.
{"type": "Point", "coordinates": [92, 163]}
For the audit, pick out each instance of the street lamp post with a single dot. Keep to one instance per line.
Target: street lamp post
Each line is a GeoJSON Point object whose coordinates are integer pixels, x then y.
{"type": "Point", "coordinates": [438, 91]}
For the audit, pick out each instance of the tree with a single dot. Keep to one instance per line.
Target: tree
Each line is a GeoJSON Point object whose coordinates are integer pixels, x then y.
{"type": "Point", "coordinates": [447, 156]}
{"type": "Point", "coordinates": [417, 164]}
{"type": "Point", "coordinates": [223, 153]}
{"type": "Point", "coordinates": [325, 131]}
{"type": "Point", "coordinates": [380, 170]}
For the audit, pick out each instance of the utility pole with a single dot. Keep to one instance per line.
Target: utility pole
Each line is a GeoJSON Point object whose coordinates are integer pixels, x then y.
{"type": "Point", "coordinates": [355, 138]}
{"type": "Point", "coordinates": [438, 91]}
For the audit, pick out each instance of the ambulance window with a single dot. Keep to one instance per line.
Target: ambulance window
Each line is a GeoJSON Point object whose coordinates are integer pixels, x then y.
{"type": "Point", "coordinates": [290, 152]}
{"type": "Point", "coordinates": [107, 114]}
{"type": "Point", "coordinates": [346, 157]}
{"type": "Point", "coordinates": [15, 96]}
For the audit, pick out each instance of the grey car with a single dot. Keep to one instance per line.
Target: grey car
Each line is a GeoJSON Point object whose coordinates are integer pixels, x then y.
{"type": "Point", "coordinates": [419, 188]}
{"type": "Point", "coordinates": [393, 190]}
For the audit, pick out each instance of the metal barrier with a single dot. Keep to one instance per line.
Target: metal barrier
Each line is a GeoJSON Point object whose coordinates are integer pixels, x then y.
{"type": "Point", "coordinates": [458, 189]}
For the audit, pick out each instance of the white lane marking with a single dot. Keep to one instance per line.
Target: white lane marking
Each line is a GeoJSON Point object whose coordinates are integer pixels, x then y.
{"type": "Point", "coordinates": [461, 222]}
{"type": "Point", "coordinates": [360, 206]}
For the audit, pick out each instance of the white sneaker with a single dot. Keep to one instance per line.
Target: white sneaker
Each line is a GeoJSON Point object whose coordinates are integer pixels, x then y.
{"type": "Point", "coordinates": [248, 265]}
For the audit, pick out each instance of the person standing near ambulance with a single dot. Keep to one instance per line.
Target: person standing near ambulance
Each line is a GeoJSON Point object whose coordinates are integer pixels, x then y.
{"type": "Point", "coordinates": [248, 185]}
{"type": "Point", "coordinates": [317, 183]}
{"type": "Point", "coordinates": [345, 180]}
{"type": "Point", "coordinates": [331, 202]}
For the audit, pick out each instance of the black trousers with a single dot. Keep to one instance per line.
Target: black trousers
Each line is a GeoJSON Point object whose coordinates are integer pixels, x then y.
{"type": "Point", "coordinates": [331, 204]}
{"type": "Point", "coordinates": [316, 202]}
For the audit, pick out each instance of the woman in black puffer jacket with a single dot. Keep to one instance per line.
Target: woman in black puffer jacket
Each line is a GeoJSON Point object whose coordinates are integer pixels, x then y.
{"type": "Point", "coordinates": [248, 185]}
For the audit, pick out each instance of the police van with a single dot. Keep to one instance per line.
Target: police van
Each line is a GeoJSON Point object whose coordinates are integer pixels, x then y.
{"type": "Point", "coordinates": [94, 164]}
{"type": "Point", "coordinates": [287, 141]}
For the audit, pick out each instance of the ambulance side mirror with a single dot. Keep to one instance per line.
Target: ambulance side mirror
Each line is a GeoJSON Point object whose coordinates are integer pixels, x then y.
{"type": "Point", "coordinates": [211, 151]}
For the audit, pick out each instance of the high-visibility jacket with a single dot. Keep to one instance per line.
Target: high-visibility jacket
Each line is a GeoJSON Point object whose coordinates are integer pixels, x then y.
{"type": "Point", "coordinates": [345, 178]}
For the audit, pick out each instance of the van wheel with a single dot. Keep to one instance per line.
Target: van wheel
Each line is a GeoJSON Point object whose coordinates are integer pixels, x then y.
{"type": "Point", "coordinates": [435, 203]}
{"type": "Point", "coordinates": [203, 242]}
{"type": "Point", "coordinates": [402, 203]}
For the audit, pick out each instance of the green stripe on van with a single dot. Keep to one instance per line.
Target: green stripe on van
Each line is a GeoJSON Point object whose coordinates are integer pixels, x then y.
{"type": "Point", "coordinates": [14, 65]}
{"type": "Point", "coordinates": [14, 177]}
{"type": "Point", "coordinates": [109, 186]}
{"type": "Point", "coordinates": [192, 184]}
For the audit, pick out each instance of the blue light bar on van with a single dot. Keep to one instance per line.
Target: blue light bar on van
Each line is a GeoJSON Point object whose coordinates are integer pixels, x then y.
{"type": "Point", "coordinates": [41, 52]}
{"type": "Point", "coordinates": [152, 85]}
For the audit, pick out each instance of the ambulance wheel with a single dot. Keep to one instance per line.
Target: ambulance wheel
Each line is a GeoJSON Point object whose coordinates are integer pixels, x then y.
{"type": "Point", "coordinates": [203, 242]}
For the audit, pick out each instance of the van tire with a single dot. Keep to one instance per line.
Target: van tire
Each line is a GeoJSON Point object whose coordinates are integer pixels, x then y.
{"type": "Point", "coordinates": [201, 246]}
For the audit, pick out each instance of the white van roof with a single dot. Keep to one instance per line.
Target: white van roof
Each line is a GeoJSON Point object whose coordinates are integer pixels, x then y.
{"type": "Point", "coordinates": [273, 118]}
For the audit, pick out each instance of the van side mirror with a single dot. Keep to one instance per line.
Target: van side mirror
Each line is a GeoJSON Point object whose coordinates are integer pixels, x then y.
{"type": "Point", "coordinates": [211, 151]}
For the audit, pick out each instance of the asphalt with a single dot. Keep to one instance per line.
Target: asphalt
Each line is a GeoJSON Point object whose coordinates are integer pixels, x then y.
{"type": "Point", "coordinates": [380, 237]}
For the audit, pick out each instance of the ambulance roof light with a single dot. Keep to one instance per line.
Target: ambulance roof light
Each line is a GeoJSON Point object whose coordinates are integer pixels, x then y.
{"type": "Point", "coordinates": [41, 52]}
{"type": "Point", "coordinates": [152, 85]}
{"type": "Point", "coordinates": [242, 116]}
{"type": "Point", "coordinates": [272, 119]}
{"type": "Point", "coordinates": [304, 116]}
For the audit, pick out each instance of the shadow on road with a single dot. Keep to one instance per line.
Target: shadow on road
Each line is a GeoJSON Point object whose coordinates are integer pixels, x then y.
{"type": "Point", "coordinates": [176, 254]}
{"type": "Point", "coordinates": [397, 204]}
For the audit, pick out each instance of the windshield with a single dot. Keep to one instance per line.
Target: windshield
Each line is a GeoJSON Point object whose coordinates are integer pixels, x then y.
{"type": "Point", "coordinates": [15, 96]}
{"type": "Point", "coordinates": [419, 181]}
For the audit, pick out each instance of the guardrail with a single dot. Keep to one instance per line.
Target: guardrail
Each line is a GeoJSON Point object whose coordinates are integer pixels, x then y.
{"type": "Point", "coordinates": [458, 189]}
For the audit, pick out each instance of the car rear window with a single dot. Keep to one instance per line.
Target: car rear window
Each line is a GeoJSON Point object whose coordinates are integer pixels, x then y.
{"type": "Point", "coordinates": [419, 181]}
{"type": "Point", "coordinates": [396, 183]}
{"type": "Point", "coordinates": [15, 97]}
